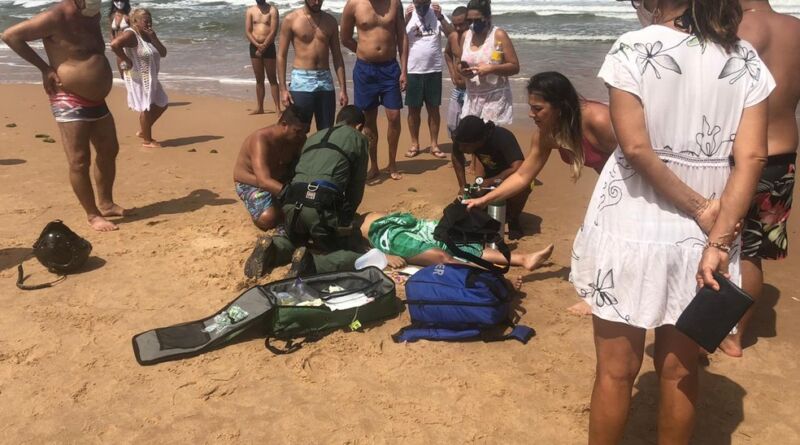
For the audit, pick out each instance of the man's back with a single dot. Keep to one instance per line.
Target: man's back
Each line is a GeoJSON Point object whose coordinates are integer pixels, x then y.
{"type": "Point", "coordinates": [776, 37]}
{"type": "Point", "coordinates": [328, 164]}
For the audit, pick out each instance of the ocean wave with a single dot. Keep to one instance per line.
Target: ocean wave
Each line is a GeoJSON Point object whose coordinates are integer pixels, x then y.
{"type": "Point", "coordinates": [182, 78]}
{"type": "Point", "coordinates": [562, 37]}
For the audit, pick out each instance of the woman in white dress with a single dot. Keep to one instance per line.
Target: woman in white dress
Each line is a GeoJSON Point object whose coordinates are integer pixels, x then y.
{"type": "Point", "coordinates": [685, 94]}
{"type": "Point", "coordinates": [140, 51]}
{"type": "Point", "coordinates": [488, 88]}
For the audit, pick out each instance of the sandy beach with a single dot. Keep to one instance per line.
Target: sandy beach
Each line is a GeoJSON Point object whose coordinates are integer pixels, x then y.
{"type": "Point", "coordinates": [68, 374]}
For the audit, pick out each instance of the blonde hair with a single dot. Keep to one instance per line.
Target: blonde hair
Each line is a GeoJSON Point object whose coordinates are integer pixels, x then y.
{"type": "Point", "coordinates": [137, 14]}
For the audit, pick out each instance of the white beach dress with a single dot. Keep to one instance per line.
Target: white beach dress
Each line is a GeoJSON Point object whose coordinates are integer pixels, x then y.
{"type": "Point", "coordinates": [488, 97]}
{"type": "Point", "coordinates": [635, 256]}
{"type": "Point", "coordinates": [141, 80]}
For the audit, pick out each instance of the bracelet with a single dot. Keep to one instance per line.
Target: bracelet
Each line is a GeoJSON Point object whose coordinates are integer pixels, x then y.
{"type": "Point", "coordinates": [721, 246]}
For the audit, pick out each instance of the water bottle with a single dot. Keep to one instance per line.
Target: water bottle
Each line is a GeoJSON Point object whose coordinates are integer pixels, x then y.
{"type": "Point", "coordinates": [496, 58]}
{"type": "Point", "coordinates": [300, 292]}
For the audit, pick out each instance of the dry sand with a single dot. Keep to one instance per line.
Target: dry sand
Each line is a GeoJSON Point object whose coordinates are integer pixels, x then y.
{"type": "Point", "coordinates": [68, 374]}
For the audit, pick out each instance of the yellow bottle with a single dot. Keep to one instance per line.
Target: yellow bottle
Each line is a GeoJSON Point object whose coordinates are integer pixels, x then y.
{"type": "Point", "coordinates": [497, 54]}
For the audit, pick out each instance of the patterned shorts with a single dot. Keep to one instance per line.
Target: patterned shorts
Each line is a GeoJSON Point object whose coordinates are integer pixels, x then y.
{"type": "Point", "coordinates": [764, 234]}
{"type": "Point", "coordinates": [256, 200]}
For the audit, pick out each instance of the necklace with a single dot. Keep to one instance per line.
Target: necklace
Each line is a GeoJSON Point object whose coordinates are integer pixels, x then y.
{"type": "Point", "coordinates": [313, 24]}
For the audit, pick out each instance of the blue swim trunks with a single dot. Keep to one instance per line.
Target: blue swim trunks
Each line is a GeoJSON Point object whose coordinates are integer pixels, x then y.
{"type": "Point", "coordinates": [255, 199]}
{"type": "Point", "coordinates": [377, 84]}
{"type": "Point", "coordinates": [310, 81]}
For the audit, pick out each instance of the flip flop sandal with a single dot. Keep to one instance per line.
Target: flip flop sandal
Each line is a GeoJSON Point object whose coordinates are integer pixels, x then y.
{"type": "Point", "coordinates": [439, 153]}
{"type": "Point", "coordinates": [412, 152]}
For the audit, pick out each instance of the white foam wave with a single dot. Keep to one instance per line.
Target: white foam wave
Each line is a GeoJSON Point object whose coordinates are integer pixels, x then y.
{"type": "Point", "coordinates": [562, 37]}
{"type": "Point", "coordinates": [196, 79]}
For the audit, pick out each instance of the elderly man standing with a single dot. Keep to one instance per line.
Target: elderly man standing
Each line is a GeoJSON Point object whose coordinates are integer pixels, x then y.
{"type": "Point", "coordinates": [377, 77]}
{"type": "Point", "coordinates": [77, 78]}
{"type": "Point", "coordinates": [425, 25]}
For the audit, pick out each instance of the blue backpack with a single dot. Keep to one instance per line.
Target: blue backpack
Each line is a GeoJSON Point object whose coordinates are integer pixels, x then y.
{"type": "Point", "coordinates": [459, 302]}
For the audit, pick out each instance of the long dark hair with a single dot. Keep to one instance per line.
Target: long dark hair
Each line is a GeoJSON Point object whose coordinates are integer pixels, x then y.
{"type": "Point", "coordinates": [713, 20]}
{"type": "Point", "coordinates": [558, 91]}
{"type": "Point", "coordinates": [125, 9]}
{"type": "Point", "coordinates": [484, 6]}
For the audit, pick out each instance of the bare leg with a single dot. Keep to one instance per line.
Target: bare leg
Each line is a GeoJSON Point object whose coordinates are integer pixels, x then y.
{"type": "Point", "coordinates": [393, 137]}
{"type": "Point", "coordinates": [752, 283]}
{"type": "Point", "coordinates": [413, 129]}
{"type": "Point", "coordinates": [675, 360]}
{"type": "Point", "coordinates": [529, 261]}
{"type": "Point", "coordinates": [371, 132]}
{"type": "Point", "coordinates": [619, 349]}
{"type": "Point", "coordinates": [434, 121]}
{"type": "Point", "coordinates": [269, 218]}
{"type": "Point", "coordinates": [269, 66]}
{"type": "Point", "coordinates": [258, 70]}
{"type": "Point", "coordinates": [76, 145]}
{"type": "Point", "coordinates": [146, 120]}
{"type": "Point", "coordinates": [431, 257]}
{"type": "Point", "coordinates": [106, 146]}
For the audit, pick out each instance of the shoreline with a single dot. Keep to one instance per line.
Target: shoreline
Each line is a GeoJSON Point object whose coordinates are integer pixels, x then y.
{"type": "Point", "coordinates": [68, 371]}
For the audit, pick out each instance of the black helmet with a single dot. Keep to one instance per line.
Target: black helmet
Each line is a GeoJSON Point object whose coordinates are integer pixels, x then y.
{"type": "Point", "coordinates": [61, 250]}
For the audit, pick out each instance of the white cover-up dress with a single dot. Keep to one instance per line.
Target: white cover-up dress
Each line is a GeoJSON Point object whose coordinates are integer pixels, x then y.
{"type": "Point", "coordinates": [488, 97]}
{"type": "Point", "coordinates": [141, 79]}
{"type": "Point", "coordinates": [635, 256]}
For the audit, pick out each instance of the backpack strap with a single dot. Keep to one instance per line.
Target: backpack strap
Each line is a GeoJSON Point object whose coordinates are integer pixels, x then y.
{"type": "Point", "coordinates": [413, 333]}
{"type": "Point", "coordinates": [501, 246]}
{"type": "Point", "coordinates": [325, 143]}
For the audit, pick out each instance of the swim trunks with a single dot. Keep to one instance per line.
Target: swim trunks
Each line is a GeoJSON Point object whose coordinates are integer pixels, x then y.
{"type": "Point", "coordinates": [765, 234]}
{"type": "Point", "coordinates": [377, 84]}
{"type": "Point", "coordinates": [309, 81]}
{"type": "Point", "coordinates": [256, 200]}
{"type": "Point", "coordinates": [269, 52]}
{"type": "Point", "coordinates": [454, 109]}
{"type": "Point", "coordinates": [69, 107]}
{"type": "Point", "coordinates": [425, 88]}
{"type": "Point", "coordinates": [404, 235]}
{"type": "Point", "coordinates": [313, 92]}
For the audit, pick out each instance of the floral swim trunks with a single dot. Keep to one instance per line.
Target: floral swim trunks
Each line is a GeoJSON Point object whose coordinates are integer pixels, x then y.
{"type": "Point", "coordinates": [764, 234]}
{"type": "Point", "coordinates": [256, 200]}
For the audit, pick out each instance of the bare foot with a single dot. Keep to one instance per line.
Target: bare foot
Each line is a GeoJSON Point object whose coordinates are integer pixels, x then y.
{"type": "Point", "coordinates": [731, 347]}
{"type": "Point", "coordinates": [534, 260]}
{"type": "Point", "coordinates": [394, 174]}
{"type": "Point", "coordinates": [139, 134]}
{"type": "Point", "coordinates": [437, 152]}
{"type": "Point", "coordinates": [113, 210]}
{"type": "Point", "coordinates": [517, 283]}
{"type": "Point", "coordinates": [101, 224]}
{"type": "Point", "coordinates": [152, 144]}
{"type": "Point", "coordinates": [581, 308]}
{"type": "Point", "coordinates": [256, 112]}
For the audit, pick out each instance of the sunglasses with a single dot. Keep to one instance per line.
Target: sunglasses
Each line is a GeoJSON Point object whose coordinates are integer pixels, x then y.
{"type": "Point", "coordinates": [634, 3]}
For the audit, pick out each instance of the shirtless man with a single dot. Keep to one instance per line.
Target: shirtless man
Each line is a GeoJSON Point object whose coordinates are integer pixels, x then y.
{"type": "Point", "coordinates": [261, 27]}
{"type": "Point", "coordinates": [776, 37]}
{"type": "Point", "coordinates": [314, 34]}
{"type": "Point", "coordinates": [77, 78]}
{"type": "Point", "coordinates": [264, 162]}
{"type": "Point", "coordinates": [377, 78]}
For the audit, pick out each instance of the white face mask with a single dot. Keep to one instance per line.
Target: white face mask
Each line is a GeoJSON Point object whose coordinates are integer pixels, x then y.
{"type": "Point", "coordinates": [645, 17]}
{"type": "Point", "coordinates": [119, 5]}
{"type": "Point", "coordinates": [91, 8]}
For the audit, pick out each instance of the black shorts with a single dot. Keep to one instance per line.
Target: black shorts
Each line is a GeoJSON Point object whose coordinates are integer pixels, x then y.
{"type": "Point", "coordinates": [268, 53]}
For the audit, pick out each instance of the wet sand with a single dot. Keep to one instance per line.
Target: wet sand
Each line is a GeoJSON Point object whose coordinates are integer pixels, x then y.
{"type": "Point", "coordinates": [68, 374]}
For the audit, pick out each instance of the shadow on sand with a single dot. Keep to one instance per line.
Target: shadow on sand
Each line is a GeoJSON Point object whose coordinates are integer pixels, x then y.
{"type": "Point", "coordinates": [12, 161]}
{"type": "Point", "coordinates": [720, 410]}
{"type": "Point", "coordinates": [178, 104]}
{"type": "Point", "coordinates": [189, 140]}
{"type": "Point", "coordinates": [14, 256]}
{"type": "Point", "coordinates": [185, 204]}
{"type": "Point", "coordinates": [762, 325]}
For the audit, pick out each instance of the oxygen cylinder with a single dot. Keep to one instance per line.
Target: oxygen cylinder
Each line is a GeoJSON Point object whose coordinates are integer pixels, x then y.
{"type": "Point", "coordinates": [497, 211]}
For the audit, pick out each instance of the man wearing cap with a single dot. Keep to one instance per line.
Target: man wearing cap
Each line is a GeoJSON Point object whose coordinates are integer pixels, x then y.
{"type": "Point", "coordinates": [500, 156]}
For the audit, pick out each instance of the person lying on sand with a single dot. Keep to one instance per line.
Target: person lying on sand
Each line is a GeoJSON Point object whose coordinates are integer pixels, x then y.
{"type": "Point", "coordinates": [264, 165]}
{"type": "Point", "coordinates": [407, 239]}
